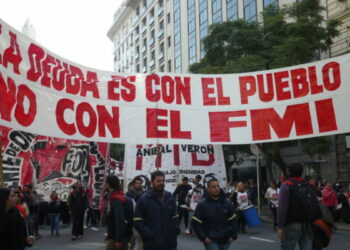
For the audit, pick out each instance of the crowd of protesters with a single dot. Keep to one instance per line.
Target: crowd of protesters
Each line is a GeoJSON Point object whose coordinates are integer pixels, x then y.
{"type": "Point", "coordinates": [149, 217]}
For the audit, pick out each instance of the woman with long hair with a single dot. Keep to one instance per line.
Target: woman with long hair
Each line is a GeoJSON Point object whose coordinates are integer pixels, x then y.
{"type": "Point", "coordinates": [271, 195]}
{"type": "Point", "coordinates": [13, 231]}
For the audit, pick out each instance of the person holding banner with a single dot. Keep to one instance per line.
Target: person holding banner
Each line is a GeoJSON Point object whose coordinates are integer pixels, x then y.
{"type": "Point", "coordinates": [156, 217]}
{"type": "Point", "coordinates": [214, 220]}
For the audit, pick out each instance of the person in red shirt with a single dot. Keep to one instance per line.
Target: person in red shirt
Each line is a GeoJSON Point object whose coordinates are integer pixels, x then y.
{"type": "Point", "coordinates": [329, 197]}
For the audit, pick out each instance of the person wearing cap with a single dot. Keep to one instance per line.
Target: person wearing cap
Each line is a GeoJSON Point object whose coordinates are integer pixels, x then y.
{"type": "Point", "coordinates": [214, 220]}
{"type": "Point", "coordinates": [180, 194]}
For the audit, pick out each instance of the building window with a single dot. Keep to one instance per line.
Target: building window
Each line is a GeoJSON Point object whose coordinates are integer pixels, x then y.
{"type": "Point", "coordinates": [203, 23]}
{"type": "Point", "coordinates": [169, 66]}
{"type": "Point", "coordinates": [191, 17]}
{"type": "Point", "coordinates": [138, 68]}
{"type": "Point", "coordinates": [169, 41]}
{"type": "Point", "coordinates": [250, 10]}
{"type": "Point", "coordinates": [168, 18]}
{"type": "Point", "coordinates": [270, 2]}
{"type": "Point", "coordinates": [232, 10]}
{"type": "Point", "coordinates": [216, 7]}
{"type": "Point", "coordinates": [177, 37]}
{"type": "Point", "coordinates": [162, 68]}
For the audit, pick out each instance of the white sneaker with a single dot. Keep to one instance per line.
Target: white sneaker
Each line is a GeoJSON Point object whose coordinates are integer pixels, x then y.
{"type": "Point", "coordinates": [187, 231]}
{"type": "Point", "coordinates": [94, 229]}
{"type": "Point", "coordinates": [85, 227]}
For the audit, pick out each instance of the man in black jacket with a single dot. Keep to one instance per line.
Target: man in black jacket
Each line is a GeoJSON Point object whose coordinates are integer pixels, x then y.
{"type": "Point", "coordinates": [180, 194]}
{"type": "Point", "coordinates": [78, 202]}
{"type": "Point", "coordinates": [156, 217]}
{"type": "Point", "coordinates": [214, 220]}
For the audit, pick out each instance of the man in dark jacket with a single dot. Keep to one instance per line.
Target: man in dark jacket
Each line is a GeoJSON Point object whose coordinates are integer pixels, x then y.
{"type": "Point", "coordinates": [78, 202]}
{"type": "Point", "coordinates": [214, 220]}
{"type": "Point", "coordinates": [180, 194]}
{"type": "Point", "coordinates": [156, 217]}
{"type": "Point", "coordinates": [119, 223]}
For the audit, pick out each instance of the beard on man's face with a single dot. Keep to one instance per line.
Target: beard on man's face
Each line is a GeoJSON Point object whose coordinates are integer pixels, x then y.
{"type": "Point", "coordinates": [159, 188]}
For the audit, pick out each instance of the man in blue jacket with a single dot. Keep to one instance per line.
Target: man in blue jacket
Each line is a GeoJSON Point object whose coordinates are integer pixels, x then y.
{"type": "Point", "coordinates": [156, 217]}
{"type": "Point", "coordinates": [214, 220]}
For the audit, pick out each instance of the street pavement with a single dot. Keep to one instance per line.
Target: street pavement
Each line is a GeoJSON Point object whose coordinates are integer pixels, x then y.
{"type": "Point", "coordinates": [262, 237]}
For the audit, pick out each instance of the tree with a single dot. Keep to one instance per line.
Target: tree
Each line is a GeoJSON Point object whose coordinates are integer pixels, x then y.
{"type": "Point", "coordinates": [291, 35]}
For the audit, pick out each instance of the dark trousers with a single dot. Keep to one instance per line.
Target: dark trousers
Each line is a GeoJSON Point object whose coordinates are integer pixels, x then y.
{"type": "Point", "coordinates": [274, 214]}
{"type": "Point", "coordinates": [78, 222]}
{"type": "Point", "coordinates": [92, 216]}
{"type": "Point", "coordinates": [183, 212]}
{"type": "Point", "coordinates": [241, 220]}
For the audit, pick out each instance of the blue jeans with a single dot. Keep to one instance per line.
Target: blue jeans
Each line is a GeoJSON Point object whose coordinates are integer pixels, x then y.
{"type": "Point", "coordinates": [55, 222]}
{"type": "Point", "coordinates": [216, 246]}
{"type": "Point", "coordinates": [295, 234]}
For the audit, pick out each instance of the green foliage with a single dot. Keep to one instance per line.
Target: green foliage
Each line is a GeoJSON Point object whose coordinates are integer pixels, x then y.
{"type": "Point", "coordinates": [288, 36]}
{"type": "Point", "coordinates": [316, 145]}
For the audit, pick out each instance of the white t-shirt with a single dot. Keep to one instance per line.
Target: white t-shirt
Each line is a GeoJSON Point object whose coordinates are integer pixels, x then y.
{"type": "Point", "coordinates": [272, 193]}
{"type": "Point", "coordinates": [242, 200]}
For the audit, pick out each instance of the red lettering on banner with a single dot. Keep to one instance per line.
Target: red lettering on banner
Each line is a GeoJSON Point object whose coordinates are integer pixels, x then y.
{"type": "Point", "coordinates": [62, 106]}
{"type": "Point", "coordinates": [59, 75]}
{"type": "Point", "coordinates": [36, 54]}
{"type": "Point", "coordinates": [73, 80]}
{"type": "Point", "coordinates": [12, 54]}
{"type": "Point", "coordinates": [300, 82]}
{"type": "Point", "coordinates": [89, 129]}
{"type": "Point", "coordinates": [176, 149]}
{"type": "Point", "coordinates": [315, 88]}
{"type": "Point", "coordinates": [220, 99]}
{"type": "Point", "coordinates": [107, 120]}
{"type": "Point", "coordinates": [170, 90]}
{"type": "Point", "coordinates": [298, 115]}
{"type": "Point", "coordinates": [95, 117]}
{"type": "Point", "coordinates": [90, 85]}
{"type": "Point", "coordinates": [326, 115]}
{"type": "Point", "coordinates": [247, 86]}
{"type": "Point", "coordinates": [220, 124]}
{"type": "Point", "coordinates": [7, 97]}
{"type": "Point", "coordinates": [47, 64]}
{"type": "Point", "coordinates": [126, 86]}
{"type": "Point", "coordinates": [281, 83]}
{"type": "Point", "coordinates": [175, 125]}
{"type": "Point", "coordinates": [12, 97]}
{"type": "Point", "coordinates": [268, 95]}
{"type": "Point", "coordinates": [154, 122]}
{"type": "Point", "coordinates": [197, 162]}
{"type": "Point", "coordinates": [335, 68]}
{"type": "Point", "coordinates": [139, 159]}
{"type": "Point", "coordinates": [25, 118]}
{"type": "Point", "coordinates": [49, 71]}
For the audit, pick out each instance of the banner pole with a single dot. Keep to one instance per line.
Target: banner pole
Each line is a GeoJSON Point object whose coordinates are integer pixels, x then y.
{"type": "Point", "coordinates": [2, 184]}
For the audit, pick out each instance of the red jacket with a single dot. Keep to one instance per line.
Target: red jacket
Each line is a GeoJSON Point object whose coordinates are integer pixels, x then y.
{"type": "Point", "coordinates": [329, 197]}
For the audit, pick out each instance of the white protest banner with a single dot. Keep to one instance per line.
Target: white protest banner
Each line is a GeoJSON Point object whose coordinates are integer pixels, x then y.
{"type": "Point", "coordinates": [176, 161]}
{"type": "Point", "coordinates": [45, 94]}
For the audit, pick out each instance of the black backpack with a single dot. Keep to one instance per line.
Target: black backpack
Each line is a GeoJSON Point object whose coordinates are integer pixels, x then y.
{"type": "Point", "coordinates": [303, 203]}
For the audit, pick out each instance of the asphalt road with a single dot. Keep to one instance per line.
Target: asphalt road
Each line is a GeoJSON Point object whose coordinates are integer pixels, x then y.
{"type": "Point", "coordinates": [261, 237]}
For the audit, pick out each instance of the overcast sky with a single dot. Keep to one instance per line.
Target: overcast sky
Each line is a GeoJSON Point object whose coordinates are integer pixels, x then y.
{"type": "Point", "coordinates": [74, 29]}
